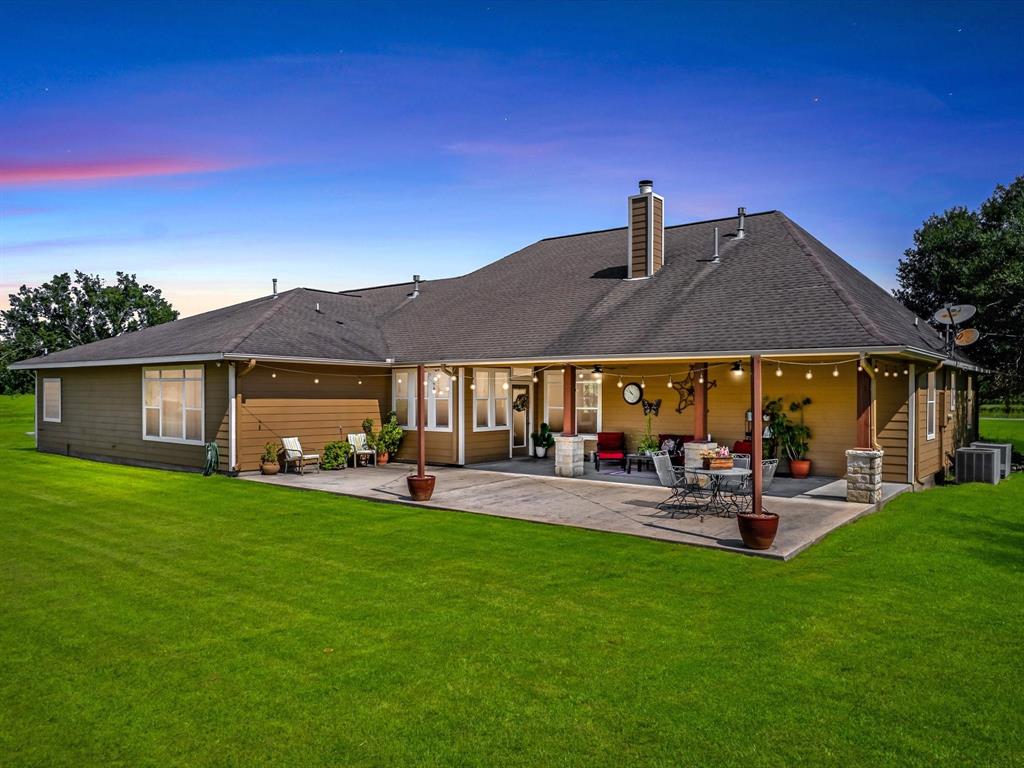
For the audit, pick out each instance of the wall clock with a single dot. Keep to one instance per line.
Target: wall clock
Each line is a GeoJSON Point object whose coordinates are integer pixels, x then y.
{"type": "Point", "coordinates": [632, 393]}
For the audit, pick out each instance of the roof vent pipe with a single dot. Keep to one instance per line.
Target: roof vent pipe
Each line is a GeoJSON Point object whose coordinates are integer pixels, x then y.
{"type": "Point", "coordinates": [274, 281]}
{"type": "Point", "coordinates": [415, 287]}
{"type": "Point", "coordinates": [740, 231]}
{"type": "Point", "coordinates": [716, 259]}
{"type": "Point", "coordinates": [646, 186]}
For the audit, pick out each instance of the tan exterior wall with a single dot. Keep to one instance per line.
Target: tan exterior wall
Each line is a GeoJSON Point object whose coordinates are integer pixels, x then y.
{"type": "Point", "coordinates": [292, 404]}
{"type": "Point", "coordinates": [482, 446]}
{"type": "Point", "coordinates": [638, 245]}
{"type": "Point", "coordinates": [891, 420]}
{"type": "Point", "coordinates": [101, 418]}
{"type": "Point", "coordinates": [442, 447]}
{"type": "Point", "coordinates": [935, 456]}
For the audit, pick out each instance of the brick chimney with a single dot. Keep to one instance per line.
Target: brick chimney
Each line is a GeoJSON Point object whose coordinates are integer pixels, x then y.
{"type": "Point", "coordinates": [646, 241]}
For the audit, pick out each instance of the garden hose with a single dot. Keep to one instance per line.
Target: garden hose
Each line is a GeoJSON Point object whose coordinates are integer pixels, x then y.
{"type": "Point", "coordinates": [212, 459]}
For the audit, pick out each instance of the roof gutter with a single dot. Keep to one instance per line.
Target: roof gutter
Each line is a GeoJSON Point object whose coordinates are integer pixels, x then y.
{"type": "Point", "coordinates": [28, 365]}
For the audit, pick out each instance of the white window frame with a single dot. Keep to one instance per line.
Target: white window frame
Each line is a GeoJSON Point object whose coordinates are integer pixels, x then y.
{"type": "Point", "coordinates": [60, 398]}
{"type": "Point", "coordinates": [184, 421]}
{"type": "Point", "coordinates": [600, 401]}
{"type": "Point", "coordinates": [435, 378]}
{"type": "Point", "coordinates": [930, 415]}
{"type": "Point", "coordinates": [492, 399]}
{"type": "Point", "coordinates": [952, 391]}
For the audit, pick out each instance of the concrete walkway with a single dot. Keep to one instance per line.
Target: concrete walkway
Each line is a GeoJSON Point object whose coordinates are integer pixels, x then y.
{"type": "Point", "coordinates": [597, 505]}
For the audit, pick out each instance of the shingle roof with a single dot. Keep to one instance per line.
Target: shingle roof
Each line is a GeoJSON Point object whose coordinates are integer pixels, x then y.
{"type": "Point", "coordinates": [778, 288]}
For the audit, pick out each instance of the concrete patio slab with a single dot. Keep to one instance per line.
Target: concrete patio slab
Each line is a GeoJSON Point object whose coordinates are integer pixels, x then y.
{"type": "Point", "coordinates": [581, 503]}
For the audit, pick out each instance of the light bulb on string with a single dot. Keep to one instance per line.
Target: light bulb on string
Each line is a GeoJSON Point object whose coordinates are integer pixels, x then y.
{"type": "Point", "coordinates": [835, 370]}
{"type": "Point", "coordinates": [778, 369]}
{"type": "Point", "coordinates": [670, 381]}
{"type": "Point", "coordinates": [316, 381]}
{"type": "Point", "coordinates": [808, 375]}
{"type": "Point", "coordinates": [273, 375]}
{"type": "Point", "coordinates": [643, 383]}
{"type": "Point", "coordinates": [619, 384]}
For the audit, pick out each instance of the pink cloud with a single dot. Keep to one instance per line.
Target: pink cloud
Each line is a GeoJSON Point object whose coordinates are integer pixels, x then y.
{"type": "Point", "coordinates": [17, 174]}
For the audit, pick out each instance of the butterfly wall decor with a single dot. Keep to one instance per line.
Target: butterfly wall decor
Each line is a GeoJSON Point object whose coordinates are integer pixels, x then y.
{"type": "Point", "coordinates": [651, 407]}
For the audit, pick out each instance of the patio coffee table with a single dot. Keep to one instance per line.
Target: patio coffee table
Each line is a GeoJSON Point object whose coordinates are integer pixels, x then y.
{"type": "Point", "coordinates": [639, 458]}
{"type": "Point", "coordinates": [719, 504]}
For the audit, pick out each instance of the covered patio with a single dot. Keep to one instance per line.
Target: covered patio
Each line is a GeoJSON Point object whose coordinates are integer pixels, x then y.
{"type": "Point", "coordinates": [626, 508]}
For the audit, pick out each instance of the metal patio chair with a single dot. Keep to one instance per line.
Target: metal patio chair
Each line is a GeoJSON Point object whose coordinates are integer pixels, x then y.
{"type": "Point", "coordinates": [296, 457]}
{"type": "Point", "coordinates": [361, 448]}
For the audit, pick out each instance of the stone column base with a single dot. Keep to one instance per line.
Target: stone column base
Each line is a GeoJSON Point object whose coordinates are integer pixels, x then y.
{"type": "Point", "coordinates": [568, 456]}
{"type": "Point", "coordinates": [864, 476]}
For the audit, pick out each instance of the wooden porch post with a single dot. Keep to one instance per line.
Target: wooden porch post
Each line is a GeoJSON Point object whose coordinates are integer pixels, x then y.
{"type": "Point", "coordinates": [756, 431]}
{"type": "Point", "coordinates": [569, 401]}
{"type": "Point", "coordinates": [421, 422]}
{"type": "Point", "coordinates": [864, 407]}
{"type": "Point", "coordinates": [700, 404]}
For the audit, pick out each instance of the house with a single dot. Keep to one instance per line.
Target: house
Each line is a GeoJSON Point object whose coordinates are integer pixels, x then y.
{"type": "Point", "coordinates": [683, 311]}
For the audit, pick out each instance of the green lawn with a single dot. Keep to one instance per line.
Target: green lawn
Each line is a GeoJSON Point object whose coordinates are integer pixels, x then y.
{"type": "Point", "coordinates": [1003, 431]}
{"type": "Point", "coordinates": [155, 618]}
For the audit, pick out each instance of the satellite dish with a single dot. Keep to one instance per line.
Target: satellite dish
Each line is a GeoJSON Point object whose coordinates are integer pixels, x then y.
{"type": "Point", "coordinates": [966, 337]}
{"type": "Point", "coordinates": [956, 314]}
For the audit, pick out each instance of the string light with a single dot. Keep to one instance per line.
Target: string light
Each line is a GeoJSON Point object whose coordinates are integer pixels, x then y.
{"type": "Point", "coordinates": [316, 381]}
{"type": "Point", "coordinates": [360, 381]}
{"type": "Point", "coordinates": [597, 375]}
{"type": "Point", "coordinates": [808, 375]}
{"type": "Point", "coordinates": [700, 379]}
{"type": "Point", "coordinates": [535, 378]}
{"type": "Point", "coordinates": [619, 385]}
{"type": "Point", "coordinates": [896, 373]}
{"type": "Point", "coordinates": [778, 369]}
{"type": "Point", "coordinates": [886, 373]}
{"type": "Point", "coordinates": [643, 383]}
{"type": "Point", "coordinates": [860, 367]}
{"type": "Point", "coordinates": [876, 367]}
{"type": "Point", "coordinates": [273, 375]}
{"type": "Point", "coordinates": [670, 381]}
{"type": "Point", "coordinates": [835, 370]}
{"type": "Point", "coordinates": [906, 371]}
{"type": "Point", "coordinates": [579, 376]}
{"type": "Point", "coordinates": [505, 386]}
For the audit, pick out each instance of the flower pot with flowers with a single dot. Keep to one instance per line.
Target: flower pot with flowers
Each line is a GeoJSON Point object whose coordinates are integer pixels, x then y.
{"type": "Point", "coordinates": [269, 463]}
{"type": "Point", "coordinates": [716, 458]}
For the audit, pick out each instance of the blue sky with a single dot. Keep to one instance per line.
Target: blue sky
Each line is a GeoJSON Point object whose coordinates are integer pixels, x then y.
{"type": "Point", "coordinates": [210, 147]}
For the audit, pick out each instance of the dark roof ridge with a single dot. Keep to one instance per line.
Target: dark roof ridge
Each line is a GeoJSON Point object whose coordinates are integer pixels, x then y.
{"type": "Point", "coordinates": [667, 226]}
{"type": "Point", "coordinates": [276, 303]}
{"type": "Point", "coordinates": [866, 322]}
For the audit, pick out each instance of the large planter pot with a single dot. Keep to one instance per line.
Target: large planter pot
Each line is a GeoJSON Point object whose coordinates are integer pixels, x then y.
{"type": "Point", "coordinates": [758, 531]}
{"type": "Point", "coordinates": [421, 487]}
{"type": "Point", "coordinates": [540, 451]}
{"type": "Point", "coordinates": [800, 468]}
{"type": "Point", "coordinates": [382, 458]}
{"type": "Point", "coordinates": [270, 469]}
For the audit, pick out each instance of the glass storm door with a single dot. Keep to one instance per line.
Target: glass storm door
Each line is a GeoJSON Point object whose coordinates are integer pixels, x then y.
{"type": "Point", "coordinates": [520, 419]}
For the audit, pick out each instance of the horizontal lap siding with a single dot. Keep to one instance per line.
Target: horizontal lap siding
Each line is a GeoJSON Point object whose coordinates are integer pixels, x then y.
{"type": "Point", "coordinates": [481, 446]}
{"type": "Point", "coordinates": [619, 416]}
{"type": "Point", "coordinates": [928, 452]}
{"type": "Point", "coordinates": [892, 422]}
{"type": "Point", "coordinates": [101, 417]}
{"type": "Point", "coordinates": [293, 404]}
{"type": "Point", "coordinates": [831, 415]}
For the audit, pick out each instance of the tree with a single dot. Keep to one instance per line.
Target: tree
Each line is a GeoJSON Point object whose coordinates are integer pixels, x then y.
{"type": "Point", "coordinates": [64, 313]}
{"type": "Point", "coordinates": [976, 257]}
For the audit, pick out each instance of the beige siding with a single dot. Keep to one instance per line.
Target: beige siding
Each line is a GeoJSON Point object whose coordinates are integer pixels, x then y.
{"type": "Point", "coordinates": [891, 395]}
{"type": "Point", "coordinates": [491, 445]}
{"type": "Point", "coordinates": [101, 418]}
{"type": "Point", "coordinates": [293, 404]}
{"type": "Point", "coordinates": [638, 246]}
{"type": "Point", "coordinates": [659, 233]}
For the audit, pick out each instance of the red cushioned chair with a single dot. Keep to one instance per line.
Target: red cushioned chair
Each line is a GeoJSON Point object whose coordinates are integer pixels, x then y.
{"type": "Point", "coordinates": [611, 446]}
{"type": "Point", "coordinates": [743, 446]}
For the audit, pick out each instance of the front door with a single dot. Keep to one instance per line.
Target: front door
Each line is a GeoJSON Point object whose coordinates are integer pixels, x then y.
{"type": "Point", "coordinates": [521, 419]}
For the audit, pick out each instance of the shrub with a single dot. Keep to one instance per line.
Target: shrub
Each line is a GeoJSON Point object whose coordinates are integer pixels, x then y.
{"type": "Point", "coordinates": [336, 454]}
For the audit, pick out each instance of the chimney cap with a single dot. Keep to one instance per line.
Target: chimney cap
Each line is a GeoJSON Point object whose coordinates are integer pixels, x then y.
{"type": "Point", "coordinates": [646, 183]}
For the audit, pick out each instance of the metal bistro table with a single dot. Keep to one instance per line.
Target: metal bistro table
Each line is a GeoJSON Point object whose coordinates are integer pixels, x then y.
{"type": "Point", "coordinates": [719, 504]}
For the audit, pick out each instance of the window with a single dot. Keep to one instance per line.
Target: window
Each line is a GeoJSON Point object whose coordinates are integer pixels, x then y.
{"type": "Point", "coordinates": [930, 411]}
{"type": "Point", "coordinates": [588, 403]}
{"type": "Point", "coordinates": [490, 399]}
{"type": "Point", "coordinates": [51, 400]}
{"type": "Point", "coordinates": [172, 404]}
{"type": "Point", "coordinates": [952, 391]}
{"type": "Point", "coordinates": [437, 394]}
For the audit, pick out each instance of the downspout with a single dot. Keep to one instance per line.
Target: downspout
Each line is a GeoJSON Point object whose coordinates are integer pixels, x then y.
{"type": "Point", "coordinates": [912, 426]}
{"type": "Point", "coordinates": [872, 422]}
{"type": "Point", "coordinates": [461, 410]}
{"type": "Point", "coordinates": [232, 419]}
{"type": "Point", "coordinates": [35, 408]}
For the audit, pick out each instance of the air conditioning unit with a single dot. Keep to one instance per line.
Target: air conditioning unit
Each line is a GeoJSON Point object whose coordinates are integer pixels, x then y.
{"type": "Point", "coordinates": [977, 465]}
{"type": "Point", "coordinates": [1005, 454]}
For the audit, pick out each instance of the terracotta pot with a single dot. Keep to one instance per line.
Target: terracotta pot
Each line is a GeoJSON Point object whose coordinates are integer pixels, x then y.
{"type": "Point", "coordinates": [269, 469]}
{"type": "Point", "coordinates": [800, 468]}
{"type": "Point", "coordinates": [382, 458]}
{"type": "Point", "coordinates": [421, 487]}
{"type": "Point", "coordinates": [758, 531]}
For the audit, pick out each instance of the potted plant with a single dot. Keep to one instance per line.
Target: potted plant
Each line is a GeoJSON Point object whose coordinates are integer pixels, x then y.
{"type": "Point", "coordinates": [542, 440]}
{"type": "Point", "coordinates": [269, 464]}
{"type": "Point", "coordinates": [336, 454]}
{"type": "Point", "coordinates": [387, 440]}
{"type": "Point", "coordinates": [421, 487]}
{"type": "Point", "coordinates": [648, 443]}
{"type": "Point", "coordinates": [796, 441]}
